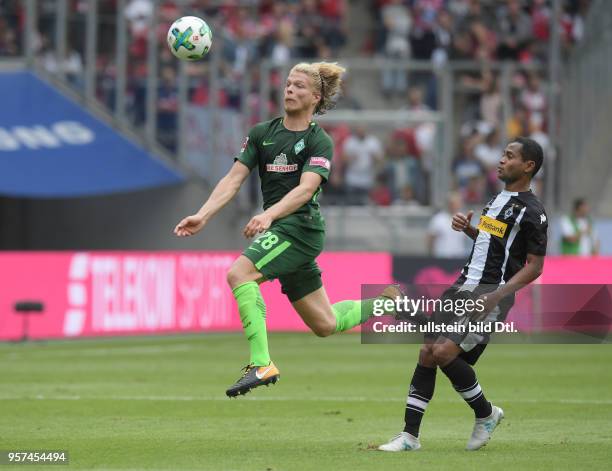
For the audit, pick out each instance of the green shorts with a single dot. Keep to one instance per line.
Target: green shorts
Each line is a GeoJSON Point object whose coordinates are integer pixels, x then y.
{"type": "Point", "coordinates": [288, 252]}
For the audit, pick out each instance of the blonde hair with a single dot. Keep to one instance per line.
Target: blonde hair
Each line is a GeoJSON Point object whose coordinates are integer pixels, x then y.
{"type": "Point", "coordinates": [327, 78]}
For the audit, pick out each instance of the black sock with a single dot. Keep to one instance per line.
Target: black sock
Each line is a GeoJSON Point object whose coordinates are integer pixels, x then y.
{"type": "Point", "coordinates": [463, 378]}
{"type": "Point", "coordinates": [420, 393]}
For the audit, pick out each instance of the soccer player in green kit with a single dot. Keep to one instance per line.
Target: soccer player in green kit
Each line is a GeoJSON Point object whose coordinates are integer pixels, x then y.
{"type": "Point", "coordinates": [293, 155]}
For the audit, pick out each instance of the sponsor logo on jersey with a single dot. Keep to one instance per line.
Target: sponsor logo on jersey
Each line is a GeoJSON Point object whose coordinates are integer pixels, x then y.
{"type": "Point", "coordinates": [280, 165]}
{"type": "Point", "coordinates": [299, 147]}
{"type": "Point", "coordinates": [320, 162]}
{"type": "Point", "coordinates": [492, 226]}
{"type": "Point", "coordinates": [542, 218]}
{"type": "Point", "coordinates": [244, 144]}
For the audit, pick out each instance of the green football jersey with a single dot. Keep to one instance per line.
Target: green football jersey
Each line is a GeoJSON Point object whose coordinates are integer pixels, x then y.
{"type": "Point", "coordinates": [282, 156]}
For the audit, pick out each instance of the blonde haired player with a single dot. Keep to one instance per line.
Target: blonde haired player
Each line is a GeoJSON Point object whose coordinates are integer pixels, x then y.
{"type": "Point", "coordinates": [293, 156]}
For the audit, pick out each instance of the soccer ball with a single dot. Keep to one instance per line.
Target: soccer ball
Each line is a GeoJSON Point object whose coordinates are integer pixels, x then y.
{"type": "Point", "coordinates": [189, 38]}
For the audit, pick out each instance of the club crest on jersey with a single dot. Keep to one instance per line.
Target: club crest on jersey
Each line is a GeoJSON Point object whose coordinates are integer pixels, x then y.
{"type": "Point", "coordinates": [280, 165]}
{"type": "Point", "coordinates": [299, 147]}
{"type": "Point", "coordinates": [509, 212]}
{"type": "Point", "coordinates": [492, 226]}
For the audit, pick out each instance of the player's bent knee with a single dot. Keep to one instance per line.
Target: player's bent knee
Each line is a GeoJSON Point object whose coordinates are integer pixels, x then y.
{"type": "Point", "coordinates": [233, 277]}
{"type": "Point", "coordinates": [442, 356]}
{"type": "Point", "coordinates": [323, 329]}
{"type": "Point", "coordinates": [426, 356]}
{"type": "Point", "coordinates": [237, 276]}
{"type": "Point", "coordinates": [241, 272]}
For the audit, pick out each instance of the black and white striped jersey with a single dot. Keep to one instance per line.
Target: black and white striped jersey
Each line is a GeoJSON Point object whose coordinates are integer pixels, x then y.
{"type": "Point", "coordinates": [512, 225]}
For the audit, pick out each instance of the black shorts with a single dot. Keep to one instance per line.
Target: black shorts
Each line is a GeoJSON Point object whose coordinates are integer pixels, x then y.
{"type": "Point", "coordinates": [472, 343]}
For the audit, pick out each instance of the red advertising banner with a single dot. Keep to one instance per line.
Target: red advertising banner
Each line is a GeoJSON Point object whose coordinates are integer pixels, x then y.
{"type": "Point", "coordinates": [117, 293]}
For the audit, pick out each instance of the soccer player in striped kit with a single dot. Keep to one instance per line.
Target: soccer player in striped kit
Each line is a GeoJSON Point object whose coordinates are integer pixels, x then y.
{"type": "Point", "coordinates": [508, 253]}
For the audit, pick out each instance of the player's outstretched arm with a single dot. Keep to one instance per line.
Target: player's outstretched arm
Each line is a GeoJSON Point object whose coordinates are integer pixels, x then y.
{"type": "Point", "coordinates": [223, 193]}
{"type": "Point", "coordinates": [291, 202]}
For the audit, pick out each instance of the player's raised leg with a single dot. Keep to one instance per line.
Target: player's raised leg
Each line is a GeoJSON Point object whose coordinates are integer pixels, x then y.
{"type": "Point", "coordinates": [325, 319]}
{"type": "Point", "coordinates": [244, 280]}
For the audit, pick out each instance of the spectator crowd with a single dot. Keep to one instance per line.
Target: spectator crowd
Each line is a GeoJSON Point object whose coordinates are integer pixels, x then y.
{"type": "Point", "coordinates": [369, 167]}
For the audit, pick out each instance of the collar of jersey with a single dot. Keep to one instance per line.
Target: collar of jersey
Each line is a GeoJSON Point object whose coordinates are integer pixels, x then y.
{"type": "Point", "coordinates": [282, 122]}
{"type": "Point", "coordinates": [514, 193]}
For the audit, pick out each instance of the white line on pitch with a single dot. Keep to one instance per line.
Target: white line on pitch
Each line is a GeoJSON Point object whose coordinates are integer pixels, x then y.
{"type": "Point", "coordinates": [42, 397]}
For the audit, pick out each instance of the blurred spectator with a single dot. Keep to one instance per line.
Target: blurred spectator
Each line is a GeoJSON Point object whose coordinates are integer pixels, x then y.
{"type": "Point", "coordinates": [10, 27]}
{"type": "Point", "coordinates": [518, 124]}
{"type": "Point", "coordinates": [469, 173]}
{"type": "Point", "coordinates": [380, 194]}
{"type": "Point", "coordinates": [474, 191]}
{"type": "Point", "coordinates": [459, 8]}
{"type": "Point", "coordinates": [462, 48]}
{"type": "Point", "coordinates": [442, 240]}
{"type": "Point", "coordinates": [515, 30]}
{"type": "Point", "coordinates": [362, 154]}
{"type": "Point", "coordinates": [577, 231]}
{"type": "Point", "coordinates": [443, 31]}
{"type": "Point", "coordinates": [281, 49]}
{"type": "Point", "coordinates": [489, 153]}
{"type": "Point", "coordinates": [533, 99]}
{"type": "Point", "coordinates": [397, 22]}
{"type": "Point", "coordinates": [309, 38]}
{"type": "Point", "coordinates": [538, 135]}
{"type": "Point", "coordinates": [138, 14]}
{"type": "Point", "coordinates": [167, 107]}
{"type": "Point", "coordinates": [485, 41]}
{"type": "Point", "coordinates": [333, 15]}
{"type": "Point", "coordinates": [335, 191]}
{"type": "Point", "coordinates": [404, 170]}
{"type": "Point", "coordinates": [347, 100]}
{"type": "Point", "coordinates": [8, 42]}
{"type": "Point", "coordinates": [406, 197]}
{"type": "Point", "coordinates": [71, 65]}
{"type": "Point", "coordinates": [422, 133]}
{"type": "Point", "coordinates": [490, 100]}
{"type": "Point", "coordinates": [416, 100]}
{"type": "Point", "coordinates": [422, 36]}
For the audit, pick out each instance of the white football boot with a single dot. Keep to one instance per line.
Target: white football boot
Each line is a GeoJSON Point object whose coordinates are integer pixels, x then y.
{"type": "Point", "coordinates": [483, 428]}
{"type": "Point", "coordinates": [402, 442]}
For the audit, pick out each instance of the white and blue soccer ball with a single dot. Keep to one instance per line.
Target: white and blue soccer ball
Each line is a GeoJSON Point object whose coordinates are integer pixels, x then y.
{"type": "Point", "coordinates": [189, 38]}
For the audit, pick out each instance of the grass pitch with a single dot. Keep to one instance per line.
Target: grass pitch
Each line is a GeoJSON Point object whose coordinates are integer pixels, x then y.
{"type": "Point", "coordinates": [159, 403]}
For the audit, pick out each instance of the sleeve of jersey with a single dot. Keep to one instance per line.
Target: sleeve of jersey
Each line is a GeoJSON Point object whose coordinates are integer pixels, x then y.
{"type": "Point", "coordinates": [248, 151]}
{"type": "Point", "coordinates": [319, 160]}
{"type": "Point", "coordinates": [535, 226]}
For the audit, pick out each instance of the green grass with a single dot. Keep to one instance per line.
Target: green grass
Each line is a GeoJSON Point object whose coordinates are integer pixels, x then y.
{"type": "Point", "coordinates": [159, 403]}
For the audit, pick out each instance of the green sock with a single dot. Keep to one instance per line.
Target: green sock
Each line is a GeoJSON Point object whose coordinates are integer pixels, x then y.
{"type": "Point", "coordinates": [253, 316]}
{"type": "Point", "coordinates": [351, 313]}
